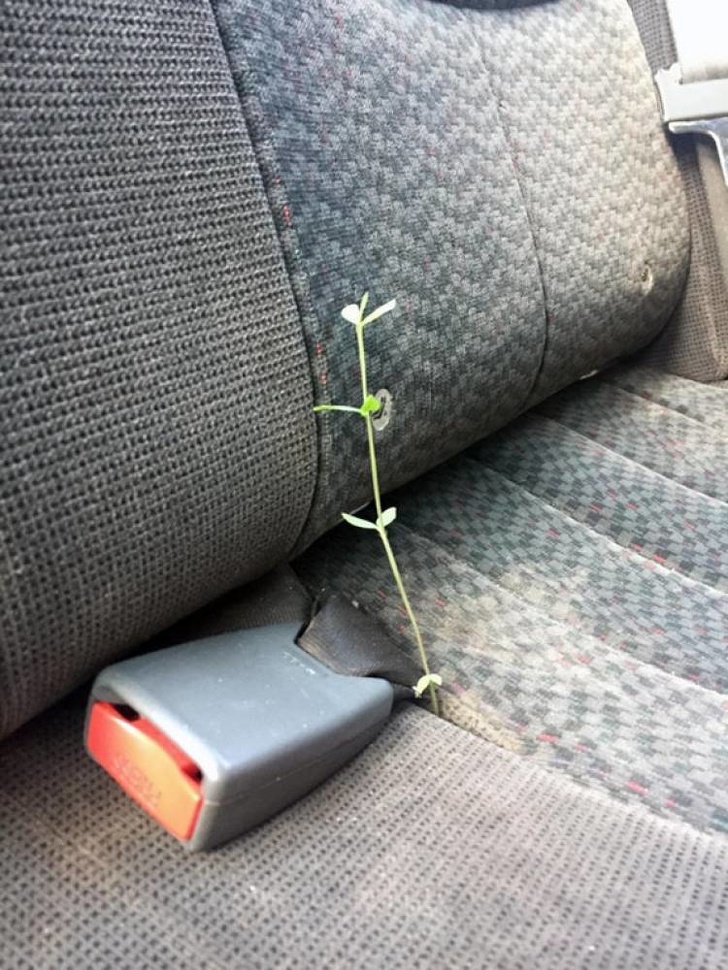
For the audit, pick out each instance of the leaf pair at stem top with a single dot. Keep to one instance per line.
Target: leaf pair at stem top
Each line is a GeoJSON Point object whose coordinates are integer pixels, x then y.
{"type": "Point", "coordinates": [355, 313]}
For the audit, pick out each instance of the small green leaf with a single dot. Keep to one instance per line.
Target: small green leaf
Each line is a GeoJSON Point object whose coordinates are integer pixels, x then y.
{"type": "Point", "coordinates": [379, 312]}
{"type": "Point", "coordinates": [357, 522]}
{"type": "Point", "coordinates": [351, 313]}
{"type": "Point", "coordinates": [363, 303]}
{"type": "Point", "coordinates": [424, 682]}
{"type": "Point", "coordinates": [335, 407]}
{"type": "Point", "coordinates": [387, 518]}
{"type": "Point", "coordinates": [371, 405]}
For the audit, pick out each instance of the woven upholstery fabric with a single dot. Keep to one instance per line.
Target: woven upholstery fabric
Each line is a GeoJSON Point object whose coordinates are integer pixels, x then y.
{"type": "Point", "coordinates": [695, 343]}
{"type": "Point", "coordinates": [571, 577]}
{"type": "Point", "coordinates": [432, 849]}
{"type": "Point", "coordinates": [487, 166]}
{"type": "Point", "coordinates": [390, 172]}
{"type": "Point", "coordinates": [155, 408]}
{"type": "Point", "coordinates": [576, 102]}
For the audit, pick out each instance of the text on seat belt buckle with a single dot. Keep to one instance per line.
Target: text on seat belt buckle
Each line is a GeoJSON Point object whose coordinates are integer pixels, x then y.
{"type": "Point", "coordinates": [215, 736]}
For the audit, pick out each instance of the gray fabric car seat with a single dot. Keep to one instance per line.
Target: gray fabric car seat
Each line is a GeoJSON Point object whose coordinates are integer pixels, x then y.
{"type": "Point", "coordinates": [192, 192]}
{"type": "Point", "coordinates": [158, 435]}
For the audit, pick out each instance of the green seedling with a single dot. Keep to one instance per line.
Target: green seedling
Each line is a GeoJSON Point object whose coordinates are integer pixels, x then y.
{"type": "Point", "coordinates": [370, 405]}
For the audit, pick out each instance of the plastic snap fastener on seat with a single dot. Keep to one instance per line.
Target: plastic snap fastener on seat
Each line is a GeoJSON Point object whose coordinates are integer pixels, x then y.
{"type": "Point", "coordinates": [647, 279]}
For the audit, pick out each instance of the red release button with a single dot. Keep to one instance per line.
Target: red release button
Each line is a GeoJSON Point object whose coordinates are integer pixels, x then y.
{"type": "Point", "coordinates": [148, 766]}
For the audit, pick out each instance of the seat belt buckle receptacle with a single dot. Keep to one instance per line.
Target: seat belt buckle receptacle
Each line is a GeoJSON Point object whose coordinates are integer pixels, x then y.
{"type": "Point", "coordinates": [215, 736]}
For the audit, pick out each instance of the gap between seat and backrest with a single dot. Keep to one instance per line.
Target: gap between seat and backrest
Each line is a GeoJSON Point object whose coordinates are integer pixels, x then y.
{"type": "Point", "coordinates": [186, 211]}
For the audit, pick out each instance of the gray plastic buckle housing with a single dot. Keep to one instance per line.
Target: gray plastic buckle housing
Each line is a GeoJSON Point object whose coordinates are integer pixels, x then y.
{"type": "Point", "coordinates": [262, 720]}
{"type": "Point", "coordinates": [695, 108]}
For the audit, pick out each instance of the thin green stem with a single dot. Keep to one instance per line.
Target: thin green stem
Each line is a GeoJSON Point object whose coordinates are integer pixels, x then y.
{"type": "Point", "coordinates": [368, 419]}
{"type": "Point", "coordinates": [411, 617]}
{"type": "Point", "coordinates": [374, 469]}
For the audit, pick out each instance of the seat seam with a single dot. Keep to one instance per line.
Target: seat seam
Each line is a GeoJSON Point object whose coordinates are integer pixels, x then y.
{"type": "Point", "coordinates": [559, 621]}
{"type": "Point", "coordinates": [613, 451]}
{"type": "Point", "coordinates": [599, 444]}
{"type": "Point", "coordinates": [275, 194]}
{"type": "Point", "coordinates": [616, 546]}
{"type": "Point", "coordinates": [526, 209]}
{"type": "Point", "coordinates": [663, 407]}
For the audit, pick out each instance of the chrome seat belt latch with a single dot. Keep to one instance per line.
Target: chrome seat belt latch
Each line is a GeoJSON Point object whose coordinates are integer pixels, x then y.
{"type": "Point", "coordinates": [695, 108]}
{"type": "Point", "coordinates": [215, 736]}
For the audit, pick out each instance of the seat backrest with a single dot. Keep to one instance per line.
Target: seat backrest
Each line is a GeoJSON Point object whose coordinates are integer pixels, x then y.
{"type": "Point", "coordinates": [191, 195]}
{"type": "Point", "coordinates": [157, 435]}
{"type": "Point", "coordinates": [500, 168]}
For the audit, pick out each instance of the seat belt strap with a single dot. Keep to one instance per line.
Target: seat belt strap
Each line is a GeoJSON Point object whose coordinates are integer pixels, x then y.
{"type": "Point", "coordinates": [694, 91]}
{"type": "Point", "coordinates": [352, 642]}
{"type": "Point", "coordinates": [331, 629]}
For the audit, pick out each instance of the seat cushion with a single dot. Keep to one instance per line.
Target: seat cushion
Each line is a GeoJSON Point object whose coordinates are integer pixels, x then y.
{"type": "Point", "coordinates": [433, 849]}
{"type": "Point", "coordinates": [571, 576]}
